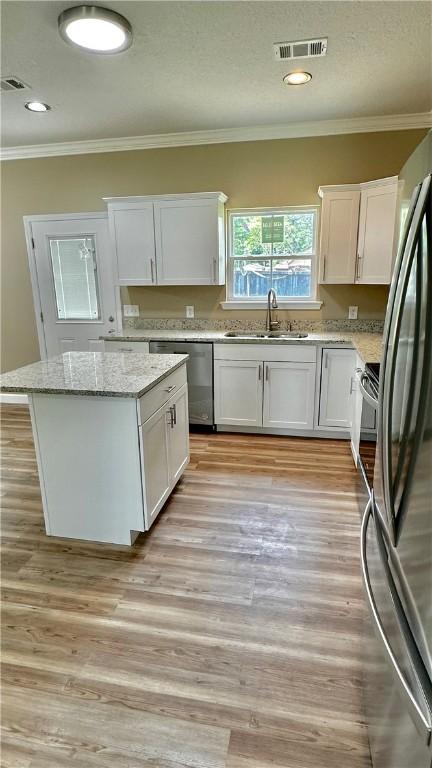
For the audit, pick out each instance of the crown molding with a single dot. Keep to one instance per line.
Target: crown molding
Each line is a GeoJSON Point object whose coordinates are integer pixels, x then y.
{"type": "Point", "coordinates": [223, 136]}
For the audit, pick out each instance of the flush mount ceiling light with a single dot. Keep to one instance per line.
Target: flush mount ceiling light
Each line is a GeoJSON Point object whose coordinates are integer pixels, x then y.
{"type": "Point", "coordinates": [95, 29]}
{"type": "Point", "coordinates": [297, 78]}
{"type": "Point", "coordinates": [37, 106]}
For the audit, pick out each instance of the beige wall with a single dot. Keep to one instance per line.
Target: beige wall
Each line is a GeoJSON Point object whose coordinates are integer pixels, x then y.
{"type": "Point", "coordinates": [264, 173]}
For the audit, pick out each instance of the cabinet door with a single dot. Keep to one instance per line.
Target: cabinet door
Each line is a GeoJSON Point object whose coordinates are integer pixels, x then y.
{"type": "Point", "coordinates": [155, 460]}
{"type": "Point", "coordinates": [178, 434]}
{"type": "Point", "coordinates": [289, 395]}
{"type": "Point", "coordinates": [376, 237]}
{"type": "Point", "coordinates": [187, 242]}
{"type": "Point", "coordinates": [339, 226]}
{"type": "Point", "coordinates": [337, 368]}
{"type": "Point", "coordinates": [355, 411]}
{"type": "Point", "coordinates": [132, 234]}
{"type": "Point", "coordinates": [238, 392]}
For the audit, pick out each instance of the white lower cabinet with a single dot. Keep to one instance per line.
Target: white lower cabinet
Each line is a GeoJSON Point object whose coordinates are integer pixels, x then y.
{"type": "Point", "coordinates": [238, 389]}
{"type": "Point", "coordinates": [156, 475]}
{"type": "Point", "coordinates": [164, 439]}
{"type": "Point", "coordinates": [337, 369]}
{"type": "Point", "coordinates": [264, 391]}
{"type": "Point", "coordinates": [289, 394]}
{"type": "Point", "coordinates": [355, 411]}
{"type": "Point", "coordinates": [178, 434]}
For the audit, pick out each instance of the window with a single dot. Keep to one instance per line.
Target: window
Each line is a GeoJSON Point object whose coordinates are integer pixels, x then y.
{"type": "Point", "coordinates": [74, 272]}
{"type": "Point", "coordinates": [272, 249]}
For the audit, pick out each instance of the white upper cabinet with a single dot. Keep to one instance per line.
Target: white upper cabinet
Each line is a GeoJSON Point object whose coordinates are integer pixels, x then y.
{"type": "Point", "coordinates": [189, 250]}
{"type": "Point", "coordinates": [339, 226]}
{"type": "Point", "coordinates": [376, 235]}
{"type": "Point", "coordinates": [133, 241]}
{"type": "Point", "coordinates": [169, 240]}
{"type": "Point", "coordinates": [358, 228]}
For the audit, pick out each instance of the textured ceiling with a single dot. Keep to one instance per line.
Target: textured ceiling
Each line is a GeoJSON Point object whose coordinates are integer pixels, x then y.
{"type": "Point", "coordinates": [207, 65]}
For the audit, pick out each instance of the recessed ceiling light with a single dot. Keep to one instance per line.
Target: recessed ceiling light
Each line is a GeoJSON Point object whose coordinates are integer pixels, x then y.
{"type": "Point", "coordinates": [96, 29]}
{"type": "Point", "coordinates": [297, 78]}
{"type": "Point", "coordinates": [37, 106]}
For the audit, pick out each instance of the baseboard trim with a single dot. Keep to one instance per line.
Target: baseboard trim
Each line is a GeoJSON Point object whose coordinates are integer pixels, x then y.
{"type": "Point", "coordinates": [13, 398]}
{"type": "Point", "coordinates": [337, 434]}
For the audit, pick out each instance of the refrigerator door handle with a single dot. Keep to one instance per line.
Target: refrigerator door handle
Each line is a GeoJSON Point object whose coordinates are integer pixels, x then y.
{"type": "Point", "coordinates": [419, 720]}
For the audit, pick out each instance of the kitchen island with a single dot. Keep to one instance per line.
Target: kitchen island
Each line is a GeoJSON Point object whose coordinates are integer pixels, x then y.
{"type": "Point", "coordinates": [111, 438]}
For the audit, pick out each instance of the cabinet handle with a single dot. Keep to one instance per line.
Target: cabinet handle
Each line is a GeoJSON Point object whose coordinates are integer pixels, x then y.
{"type": "Point", "coordinates": [259, 372]}
{"type": "Point", "coordinates": [174, 410]}
{"type": "Point", "coordinates": [170, 388]}
{"type": "Point", "coordinates": [358, 266]}
{"type": "Point", "coordinates": [267, 373]}
{"type": "Point", "coordinates": [324, 267]}
{"type": "Point", "coordinates": [126, 349]}
{"type": "Point", "coordinates": [214, 271]}
{"type": "Point", "coordinates": [152, 270]}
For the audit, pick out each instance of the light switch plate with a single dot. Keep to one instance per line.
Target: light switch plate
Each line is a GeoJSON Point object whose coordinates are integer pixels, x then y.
{"type": "Point", "coordinates": [190, 311]}
{"type": "Point", "coordinates": [131, 310]}
{"type": "Point", "coordinates": [352, 313]}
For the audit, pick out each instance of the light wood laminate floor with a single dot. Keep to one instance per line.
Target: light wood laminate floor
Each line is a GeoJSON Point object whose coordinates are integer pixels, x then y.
{"type": "Point", "coordinates": [227, 637]}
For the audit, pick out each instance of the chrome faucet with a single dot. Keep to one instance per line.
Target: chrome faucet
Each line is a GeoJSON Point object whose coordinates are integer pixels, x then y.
{"type": "Point", "coordinates": [271, 325]}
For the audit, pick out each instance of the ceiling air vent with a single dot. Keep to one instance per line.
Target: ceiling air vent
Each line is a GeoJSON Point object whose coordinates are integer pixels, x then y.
{"type": "Point", "coordinates": [13, 83]}
{"type": "Point", "coordinates": [300, 49]}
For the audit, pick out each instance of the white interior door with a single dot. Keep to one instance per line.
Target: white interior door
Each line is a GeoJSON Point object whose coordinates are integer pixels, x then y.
{"type": "Point", "coordinates": [73, 284]}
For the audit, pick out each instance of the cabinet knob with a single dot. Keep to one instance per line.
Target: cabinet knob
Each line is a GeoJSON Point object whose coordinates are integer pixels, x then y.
{"type": "Point", "coordinates": [111, 319]}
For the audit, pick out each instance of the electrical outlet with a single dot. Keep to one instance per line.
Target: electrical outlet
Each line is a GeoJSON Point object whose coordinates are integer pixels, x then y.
{"type": "Point", "coordinates": [131, 310]}
{"type": "Point", "coordinates": [352, 313]}
{"type": "Point", "coordinates": [190, 311]}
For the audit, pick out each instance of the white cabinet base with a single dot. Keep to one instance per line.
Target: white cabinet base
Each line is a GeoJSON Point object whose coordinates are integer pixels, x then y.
{"type": "Point", "coordinates": [103, 478]}
{"type": "Point", "coordinates": [89, 467]}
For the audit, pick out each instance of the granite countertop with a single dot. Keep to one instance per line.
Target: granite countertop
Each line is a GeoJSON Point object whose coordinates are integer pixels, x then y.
{"type": "Point", "coordinates": [368, 345]}
{"type": "Point", "coordinates": [109, 374]}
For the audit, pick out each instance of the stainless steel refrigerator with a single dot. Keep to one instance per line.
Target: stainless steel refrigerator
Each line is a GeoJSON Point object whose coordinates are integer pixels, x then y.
{"type": "Point", "coordinates": [396, 537]}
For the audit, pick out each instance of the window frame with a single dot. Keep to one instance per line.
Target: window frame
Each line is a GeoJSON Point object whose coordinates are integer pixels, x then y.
{"type": "Point", "coordinates": [300, 302]}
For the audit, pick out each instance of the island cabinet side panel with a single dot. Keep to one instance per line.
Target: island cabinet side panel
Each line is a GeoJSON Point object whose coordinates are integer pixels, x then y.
{"type": "Point", "coordinates": [89, 466]}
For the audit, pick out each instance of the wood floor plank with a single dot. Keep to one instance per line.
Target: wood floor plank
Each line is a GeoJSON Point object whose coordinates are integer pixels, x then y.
{"type": "Point", "coordinates": [227, 637]}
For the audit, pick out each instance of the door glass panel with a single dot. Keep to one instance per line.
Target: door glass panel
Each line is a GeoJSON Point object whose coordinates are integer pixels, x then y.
{"type": "Point", "coordinates": [74, 269]}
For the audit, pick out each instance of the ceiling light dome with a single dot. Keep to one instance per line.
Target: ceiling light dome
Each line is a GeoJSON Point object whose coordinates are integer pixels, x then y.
{"type": "Point", "coordinates": [297, 78]}
{"type": "Point", "coordinates": [95, 29]}
{"type": "Point", "coordinates": [37, 106]}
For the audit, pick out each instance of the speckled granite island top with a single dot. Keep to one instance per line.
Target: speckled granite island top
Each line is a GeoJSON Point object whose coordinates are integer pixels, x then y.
{"type": "Point", "coordinates": [93, 373]}
{"type": "Point", "coordinates": [368, 345]}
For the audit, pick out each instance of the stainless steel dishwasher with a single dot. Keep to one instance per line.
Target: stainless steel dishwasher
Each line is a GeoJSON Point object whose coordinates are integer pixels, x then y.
{"type": "Point", "coordinates": [199, 376]}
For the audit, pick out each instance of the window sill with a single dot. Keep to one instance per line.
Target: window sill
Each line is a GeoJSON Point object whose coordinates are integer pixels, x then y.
{"type": "Point", "coordinates": [298, 304]}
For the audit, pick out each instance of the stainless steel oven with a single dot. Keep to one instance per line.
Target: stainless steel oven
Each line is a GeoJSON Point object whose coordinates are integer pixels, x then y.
{"type": "Point", "coordinates": [368, 380]}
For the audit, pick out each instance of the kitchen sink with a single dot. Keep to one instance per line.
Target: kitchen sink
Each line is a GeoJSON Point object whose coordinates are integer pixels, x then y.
{"type": "Point", "coordinates": [267, 335]}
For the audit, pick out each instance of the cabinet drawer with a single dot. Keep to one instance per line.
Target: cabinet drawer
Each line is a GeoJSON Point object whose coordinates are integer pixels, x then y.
{"type": "Point", "coordinates": [160, 394]}
{"type": "Point", "coordinates": [126, 346]}
{"type": "Point", "coordinates": [272, 352]}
